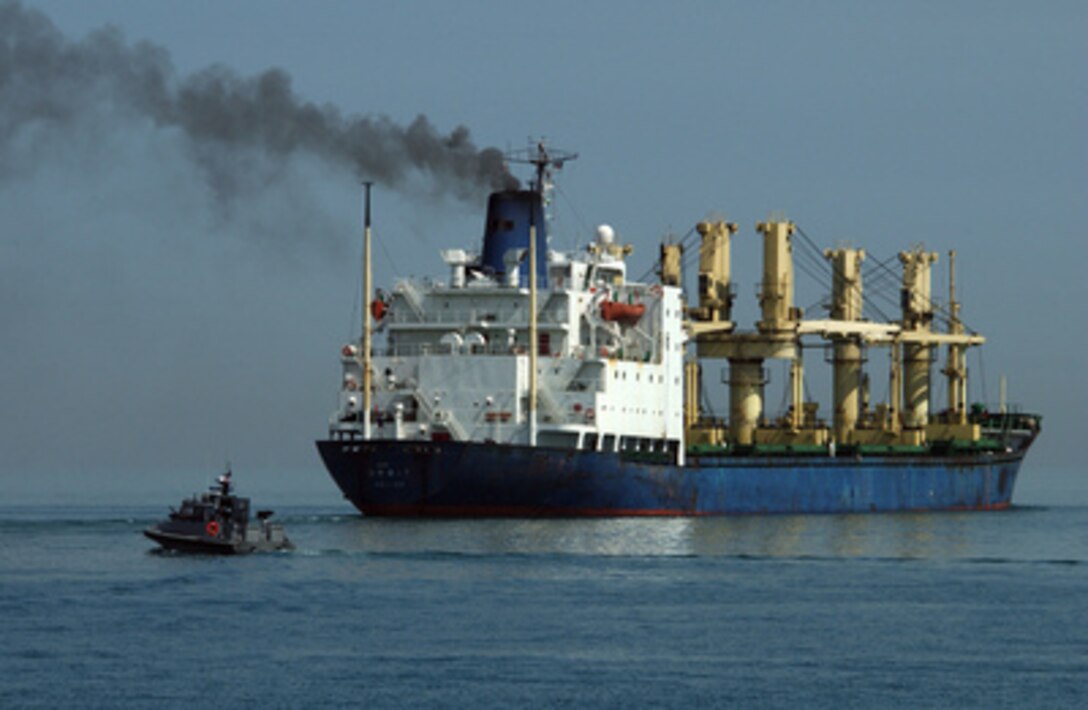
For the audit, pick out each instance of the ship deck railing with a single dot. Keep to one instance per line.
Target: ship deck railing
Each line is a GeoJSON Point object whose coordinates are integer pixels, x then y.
{"type": "Point", "coordinates": [485, 318]}
{"type": "Point", "coordinates": [446, 349]}
{"type": "Point", "coordinates": [579, 352]}
{"type": "Point", "coordinates": [985, 445]}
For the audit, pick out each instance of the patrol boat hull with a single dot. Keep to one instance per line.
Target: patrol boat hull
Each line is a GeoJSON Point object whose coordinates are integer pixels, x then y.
{"type": "Point", "coordinates": [193, 543]}
{"type": "Point", "coordinates": [465, 479]}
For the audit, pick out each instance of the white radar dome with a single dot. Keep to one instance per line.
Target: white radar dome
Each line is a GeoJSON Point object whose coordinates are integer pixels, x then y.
{"type": "Point", "coordinates": [605, 234]}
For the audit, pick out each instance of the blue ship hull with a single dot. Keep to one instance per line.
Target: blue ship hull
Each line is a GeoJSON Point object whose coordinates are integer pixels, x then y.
{"type": "Point", "coordinates": [456, 479]}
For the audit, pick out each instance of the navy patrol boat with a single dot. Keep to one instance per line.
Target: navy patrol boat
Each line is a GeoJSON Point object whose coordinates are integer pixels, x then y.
{"type": "Point", "coordinates": [217, 522]}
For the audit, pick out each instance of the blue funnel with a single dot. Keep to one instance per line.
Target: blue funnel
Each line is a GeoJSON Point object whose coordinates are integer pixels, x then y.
{"type": "Point", "coordinates": [507, 227]}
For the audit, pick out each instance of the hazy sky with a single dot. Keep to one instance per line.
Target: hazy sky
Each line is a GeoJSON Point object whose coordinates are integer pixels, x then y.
{"type": "Point", "coordinates": [171, 296]}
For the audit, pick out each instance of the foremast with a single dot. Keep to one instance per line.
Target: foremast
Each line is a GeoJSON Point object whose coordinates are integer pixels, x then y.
{"type": "Point", "coordinates": [544, 162]}
{"type": "Point", "coordinates": [368, 346]}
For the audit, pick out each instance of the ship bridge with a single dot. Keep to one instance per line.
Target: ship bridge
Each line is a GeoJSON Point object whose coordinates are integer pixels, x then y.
{"type": "Point", "coordinates": [581, 359]}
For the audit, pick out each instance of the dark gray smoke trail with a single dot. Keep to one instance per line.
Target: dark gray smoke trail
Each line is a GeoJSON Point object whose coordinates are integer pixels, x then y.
{"type": "Point", "coordinates": [48, 81]}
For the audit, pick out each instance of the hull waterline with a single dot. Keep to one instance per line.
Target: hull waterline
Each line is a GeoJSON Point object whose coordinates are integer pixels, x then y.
{"type": "Point", "coordinates": [452, 479]}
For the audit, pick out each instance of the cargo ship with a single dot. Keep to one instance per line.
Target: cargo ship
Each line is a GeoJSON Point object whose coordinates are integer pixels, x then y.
{"type": "Point", "coordinates": [536, 382]}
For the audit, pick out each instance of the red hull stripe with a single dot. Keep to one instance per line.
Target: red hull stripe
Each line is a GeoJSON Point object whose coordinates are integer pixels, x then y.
{"type": "Point", "coordinates": [492, 511]}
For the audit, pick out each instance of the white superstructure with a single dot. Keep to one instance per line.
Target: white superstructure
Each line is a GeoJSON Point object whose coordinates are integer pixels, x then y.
{"type": "Point", "coordinates": [455, 360]}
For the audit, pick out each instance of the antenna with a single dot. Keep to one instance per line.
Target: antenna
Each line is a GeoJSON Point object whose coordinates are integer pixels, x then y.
{"type": "Point", "coordinates": [544, 161]}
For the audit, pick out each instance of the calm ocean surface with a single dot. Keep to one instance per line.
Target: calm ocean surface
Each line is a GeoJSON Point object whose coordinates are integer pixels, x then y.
{"type": "Point", "coordinates": [952, 609]}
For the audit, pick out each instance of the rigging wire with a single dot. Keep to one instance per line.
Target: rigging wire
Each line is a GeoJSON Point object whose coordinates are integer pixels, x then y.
{"type": "Point", "coordinates": [808, 391]}
{"type": "Point", "coordinates": [808, 241]}
{"type": "Point", "coordinates": [705, 398]}
{"type": "Point", "coordinates": [808, 262]}
{"type": "Point", "coordinates": [939, 307]}
{"type": "Point", "coordinates": [982, 373]}
{"type": "Point", "coordinates": [821, 302]}
{"type": "Point", "coordinates": [388, 256]}
{"type": "Point", "coordinates": [683, 265]}
{"type": "Point", "coordinates": [356, 306]}
{"type": "Point", "coordinates": [577, 215]}
{"type": "Point", "coordinates": [888, 300]}
{"type": "Point", "coordinates": [878, 279]}
{"type": "Point", "coordinates": [782, 405]}
{"type": "Point", "coordinates": [687, 236]}
{"type": "Point", "coordinates": [879, 271]}
{"type": "Point", "coordinates": [808, 270]}
{"type": "Point", "coordinates": [836, 275]}
{"type": "Point", "coordinates": [818, 262]}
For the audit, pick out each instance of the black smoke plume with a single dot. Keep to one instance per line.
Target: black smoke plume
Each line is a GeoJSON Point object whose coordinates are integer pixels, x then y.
{"type": "Point", "coordinates": [48, 81]}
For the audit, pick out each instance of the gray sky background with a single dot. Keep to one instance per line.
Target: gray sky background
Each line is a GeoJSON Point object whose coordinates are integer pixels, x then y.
{"type": "Point", "coordinates": [153, 326]}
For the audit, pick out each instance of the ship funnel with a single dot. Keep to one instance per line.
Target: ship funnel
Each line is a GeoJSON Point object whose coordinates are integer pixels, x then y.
{"type": "Point", "coordinates": [509, 214]}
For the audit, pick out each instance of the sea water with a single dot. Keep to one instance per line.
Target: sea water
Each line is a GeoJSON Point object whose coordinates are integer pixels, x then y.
{"type": "Point", "coordinates": [909, 610]}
